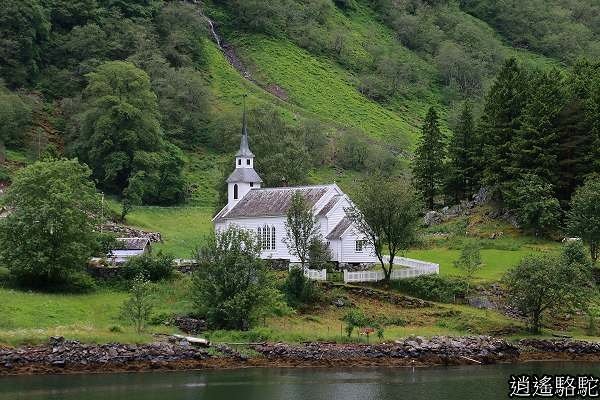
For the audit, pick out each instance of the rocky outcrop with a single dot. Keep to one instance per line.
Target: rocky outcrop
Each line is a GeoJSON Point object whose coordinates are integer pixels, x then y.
{"type": "Point", "coordinates": [566, 346]}
{"type": "Point", "coordinates": [388, 297]}
{"type": "Point", "coordinates": [436, 350]}
{"type": "Point", "coordinates": [59, 354]}
{"type": "Point", "coordinates": [129, 232]}
{"type": "Point", "coordinates": [190, 325]}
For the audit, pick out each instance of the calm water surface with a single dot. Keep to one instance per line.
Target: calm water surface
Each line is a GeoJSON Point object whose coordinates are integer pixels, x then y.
{"type": "Point", "coordinates": [444, 383]}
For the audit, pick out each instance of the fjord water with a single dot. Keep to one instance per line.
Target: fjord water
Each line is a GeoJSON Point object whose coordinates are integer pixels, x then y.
{"type": "Point", "coordinates": [449, 383]}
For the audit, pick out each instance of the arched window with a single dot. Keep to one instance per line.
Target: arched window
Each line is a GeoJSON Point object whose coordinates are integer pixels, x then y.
{"type": "Point", "coordinates": [247, 161]}
{"type": "Point", "coordinates": [239, 161]}
{"type": "Point", "coordinates": [235, 191]}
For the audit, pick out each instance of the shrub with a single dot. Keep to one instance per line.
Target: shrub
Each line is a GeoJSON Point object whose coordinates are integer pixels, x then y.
{"type": "Point", "coordinates": [79, 282]}
{"type": "Point", "coordinates": [299, 290]}
{"type": "Point", "coordinates": [432, 287]}
{"type": "Point", "coordinates": [138, 307]}
{"type": "Point", "coordinates": [152, 267]}
{"type": "Point", "coordinates": [115, 329]}
{"type": "Point", "coordinates": [4, 275]}
{"type": "Point", "coordinates": [232, 287]}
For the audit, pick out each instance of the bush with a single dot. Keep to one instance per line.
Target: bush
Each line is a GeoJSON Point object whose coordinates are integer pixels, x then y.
{"type": "Point", "coordinates": [80, 282]}
{"type": "Point", "coordinates": [4, 275]}
{"type": "Point", "coordinates": [299, 290]}
{"type": "Point", "coordinates": [432, 287]}
{"type": "Point", "coordinates": [152, 267]}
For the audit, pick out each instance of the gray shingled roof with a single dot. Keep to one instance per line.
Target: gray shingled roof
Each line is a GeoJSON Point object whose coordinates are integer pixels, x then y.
{"type": "Point", "coordinates": [244, 175]}
{"type": "Point", "coordinates": [273, 202]}
{"type": "Point", "coordinates": [334, 200]}
{"type": "Point", "coordinates": [244, 150]}
{"type": "Point", "coordinates": [339, 229]}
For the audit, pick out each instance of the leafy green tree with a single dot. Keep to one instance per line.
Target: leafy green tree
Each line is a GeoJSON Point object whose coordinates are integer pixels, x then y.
{"type": "Point", "coordinates": [461, 181]}
{"type": "Point", "coordinates": [120, 118]}
{"type": "Point", "coordinates": [232, 285]}
{"type": "Point", "coordinates": [542, 284]}
{"type": "Point", "coordinates": [583, 219]}
{"type": "Point", "coordinates": [15, 119]}
{"type": "Point", "coordinates": [299, 290]}
{"type": "Point", "coordinates": [501, 120]}
{"type": "Point", "coordinates": [153, 267]}
{"type": "Point", "coordinates": [138, 307]}
{"type": "Point", "coordinates": [301, 228]}
{"type": "Point", "coordinates": [121, 138]}
{"type": "Point", "coordinates": [534, 203]}
{"type": "Point", "coordinates": [319, 254]}
{"type": "Point", "coordinates": [353, 151]}
{"type": "Point", "coordinates": [428, 164]}
{"type": "Point", "coordinates": [469, 261]}
{"type": "Point", "coordinates": [66, 14]}
{"type": "Point", "coordinates": [183, 98]}
{"type": "Point", "coordinates": [387, 214]}
{"type": "Point", "coordinates": [355, 319]}
{"type": "Point", "coordinates": [181, 29]}
{"type": "Point", "coordinates": [282, 162]}
{"type": "Point", "coordinates": [49, 236]}
{"type": "Point", "coordinates": [24, 29]}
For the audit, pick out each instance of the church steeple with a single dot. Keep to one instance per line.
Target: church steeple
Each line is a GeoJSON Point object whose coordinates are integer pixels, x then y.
{"type": "Point", "coordinates": [244, 146]}
{"type": "Point", "coordinates": [244, 177]}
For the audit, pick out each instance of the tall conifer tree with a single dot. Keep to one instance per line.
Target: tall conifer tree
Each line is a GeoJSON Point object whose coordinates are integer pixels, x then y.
{"type": "Point", "coordinates": [461, 179]}
{"type": "Point", "coordinates": [536, 146]}
{"type": "Point", "coordinates": [500, 122]}
{"type": "Point", "coordinates": [428, 165]}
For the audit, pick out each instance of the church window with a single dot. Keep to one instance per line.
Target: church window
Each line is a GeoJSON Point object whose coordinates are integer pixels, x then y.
{"type": "Point", "coordinates": [251, 184]}
{"type": "Point", "coordinates": [359, 245]}
{"type": "Point", "coordinates": [235, 191]}
{"type": "Point", "coordinates": [248, 161]}
{"type": "Point", "coordinates": [266, 237]}
{"type": "Point", "coordinates": [239, 161]}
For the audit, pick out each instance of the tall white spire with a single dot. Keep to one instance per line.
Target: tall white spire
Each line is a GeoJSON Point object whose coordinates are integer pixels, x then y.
{"type": "Point", "coordinates": [244, 177]}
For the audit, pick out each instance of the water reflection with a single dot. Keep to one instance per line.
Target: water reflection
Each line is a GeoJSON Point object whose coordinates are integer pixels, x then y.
{"type": "Point", "coordinates": [489, 382]}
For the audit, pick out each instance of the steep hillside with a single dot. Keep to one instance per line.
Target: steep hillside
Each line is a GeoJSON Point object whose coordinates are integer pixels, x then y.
{"type": "Point", "coordinates": [362, 73]}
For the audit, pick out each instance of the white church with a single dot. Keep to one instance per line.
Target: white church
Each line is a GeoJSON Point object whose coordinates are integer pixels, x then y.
{"type": "Point", "coordinates": [263, 211]}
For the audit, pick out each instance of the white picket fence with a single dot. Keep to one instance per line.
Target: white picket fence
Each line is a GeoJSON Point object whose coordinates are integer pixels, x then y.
{"type": "Point", "coordinates": [313, 274]}
{"type": "Point", "coordinates": [413, 269]}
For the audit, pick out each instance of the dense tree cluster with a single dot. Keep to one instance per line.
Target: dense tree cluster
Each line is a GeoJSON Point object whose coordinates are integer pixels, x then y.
{"type": "Point", "coordinates": [536, 141]}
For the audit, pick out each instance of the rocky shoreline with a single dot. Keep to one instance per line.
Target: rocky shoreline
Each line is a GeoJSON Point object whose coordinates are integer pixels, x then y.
{"type": "Point", "coordinates": [65, 356]}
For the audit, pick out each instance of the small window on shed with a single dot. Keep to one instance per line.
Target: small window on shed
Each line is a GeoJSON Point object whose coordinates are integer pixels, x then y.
{"type": "Point", "coordinates": [359, 246]}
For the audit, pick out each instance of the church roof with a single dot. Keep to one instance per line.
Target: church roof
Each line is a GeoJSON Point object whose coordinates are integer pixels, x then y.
{"type": "Point", "coordinates": [334, 200]}
{"type": "Point", "coordinates": [339, 229]}
{"type": "Point", "coordinates": [272, 202]}
{"type": "Point", "coordinates": [244, 175]}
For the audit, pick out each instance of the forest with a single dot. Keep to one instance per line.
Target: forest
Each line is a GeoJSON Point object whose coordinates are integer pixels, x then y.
{"type": "Point", "coordinates": [130, 88]}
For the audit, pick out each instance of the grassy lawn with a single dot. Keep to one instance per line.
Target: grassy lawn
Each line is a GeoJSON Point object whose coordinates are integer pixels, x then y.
{"type": "Point", "coordinates": [182, 228]}
{"type": "Point", "coordinates": [495, 262]}
{"type": "Point", "coordinates": [32, 317]}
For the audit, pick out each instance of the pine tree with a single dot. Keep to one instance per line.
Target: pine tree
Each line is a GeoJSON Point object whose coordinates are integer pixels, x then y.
{"type": "Point", "coordinates": [428, 165]}
{"type": "Point", "coordinates": [500, 122]}
{"type": "Point", "coordinates": [536, 147]}
{"type": "Point", "coordinates": [461, 167]}
{"type": "Point", "coordinates": [578, 133]}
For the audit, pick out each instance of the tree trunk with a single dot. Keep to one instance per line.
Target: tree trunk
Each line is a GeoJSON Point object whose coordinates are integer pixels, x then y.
{"type": "Point", "coordinates": [535, 323]}
{"type": "Point", "coordinates": [594, 247]}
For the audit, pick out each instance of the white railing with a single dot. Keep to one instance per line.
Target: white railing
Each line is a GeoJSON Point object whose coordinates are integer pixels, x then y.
{"type": "Point", "coordinates": [413, 269]}
{"type": "Point", "coordinates": [313, 274]}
